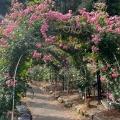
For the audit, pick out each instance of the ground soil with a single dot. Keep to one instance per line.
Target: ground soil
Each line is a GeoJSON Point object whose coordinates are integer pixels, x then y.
{"type": "Point", "coordinates": [74, 96]}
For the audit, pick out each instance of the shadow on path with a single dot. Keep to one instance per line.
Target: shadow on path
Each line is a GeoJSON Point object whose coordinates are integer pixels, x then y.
{"type": "Point", "coordinates": [49, 118]}
{"type": "Point", "coordinates": [42, 108]}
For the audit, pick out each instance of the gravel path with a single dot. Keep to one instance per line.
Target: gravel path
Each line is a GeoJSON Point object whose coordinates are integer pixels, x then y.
{"type": "Point", "coordinates": [43, 109]}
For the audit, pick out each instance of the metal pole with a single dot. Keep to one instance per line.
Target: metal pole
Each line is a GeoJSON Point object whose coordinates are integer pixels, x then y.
{"type": "Point", "coordinates": [85, 84]}
{"type": "Point", "coordinates": [107, 97]}
{"type": "Point", "coordinates": [13, 104]}
{"type": "Point", "coordinates": [99, 87]}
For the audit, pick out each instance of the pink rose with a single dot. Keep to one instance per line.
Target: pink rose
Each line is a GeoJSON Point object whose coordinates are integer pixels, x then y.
{"type": "Point", "coordinates": [102, 79]}
{"type": "Point", "coordinates": [26, 44]}
{"type": "Point", "coordinates": [103, 69]}
{"type": "Point", "coordinates": [115, 75]}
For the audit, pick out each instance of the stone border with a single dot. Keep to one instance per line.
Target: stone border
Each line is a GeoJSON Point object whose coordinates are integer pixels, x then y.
{"type": "Point", "coordinates": [23, 112]}
{"type": "Point", "coordinates": [70, 105]}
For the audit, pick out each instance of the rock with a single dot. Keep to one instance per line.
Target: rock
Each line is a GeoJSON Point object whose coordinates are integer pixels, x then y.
{"type": "Point", "coordinates": [21, 108]}
{"type": "Point", "coordinates": [24, 116]}
{"type": "Point", "coordinates": [68, 104]}
{"type": "Point", "coordinates": [74, 107]}
{"type": "Point", "coordinates": [91, 116]}
{"type": "Point", "coordinates": [57, 96]}
{"type": "Point", "coordinates": [51, 92]}
{"type": "Point", "coordinates": [78, 110]}
{"type": "Point", "coordinates": [86, 114]}
{"type": "Point", "coordinates": [82, 113]}
{"type": "Point", "coordinates": [60, 100]}
{"type": "Point", "coordinates": [23, 112]}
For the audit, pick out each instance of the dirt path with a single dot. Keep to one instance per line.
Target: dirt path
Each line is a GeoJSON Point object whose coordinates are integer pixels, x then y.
{"type": "Point", "coordinates": [42, 108]}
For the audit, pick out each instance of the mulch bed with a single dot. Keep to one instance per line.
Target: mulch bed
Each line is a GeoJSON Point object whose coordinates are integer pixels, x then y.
{"type": "Point", "coordinates": [109, 115]}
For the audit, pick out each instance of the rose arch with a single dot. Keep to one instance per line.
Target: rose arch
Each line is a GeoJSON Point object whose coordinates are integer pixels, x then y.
{"type": "Point", "coordinates": [89, 41]}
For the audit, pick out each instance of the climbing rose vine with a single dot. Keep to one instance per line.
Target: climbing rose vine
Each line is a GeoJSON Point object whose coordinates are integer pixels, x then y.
{"type": "Point", "coordinates": [50, 28]}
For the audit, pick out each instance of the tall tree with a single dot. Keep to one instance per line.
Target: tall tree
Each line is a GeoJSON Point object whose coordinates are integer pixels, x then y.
{"type": "Point", "coordinates": [4, 8]}
{"type": "Point", "coordinates": [65, 5]}
{"type": "Point", "coordinates": [113, 7]}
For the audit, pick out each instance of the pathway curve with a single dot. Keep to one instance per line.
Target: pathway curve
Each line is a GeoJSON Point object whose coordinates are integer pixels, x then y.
{"type": "Point", "coordinates": [43, 109]}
